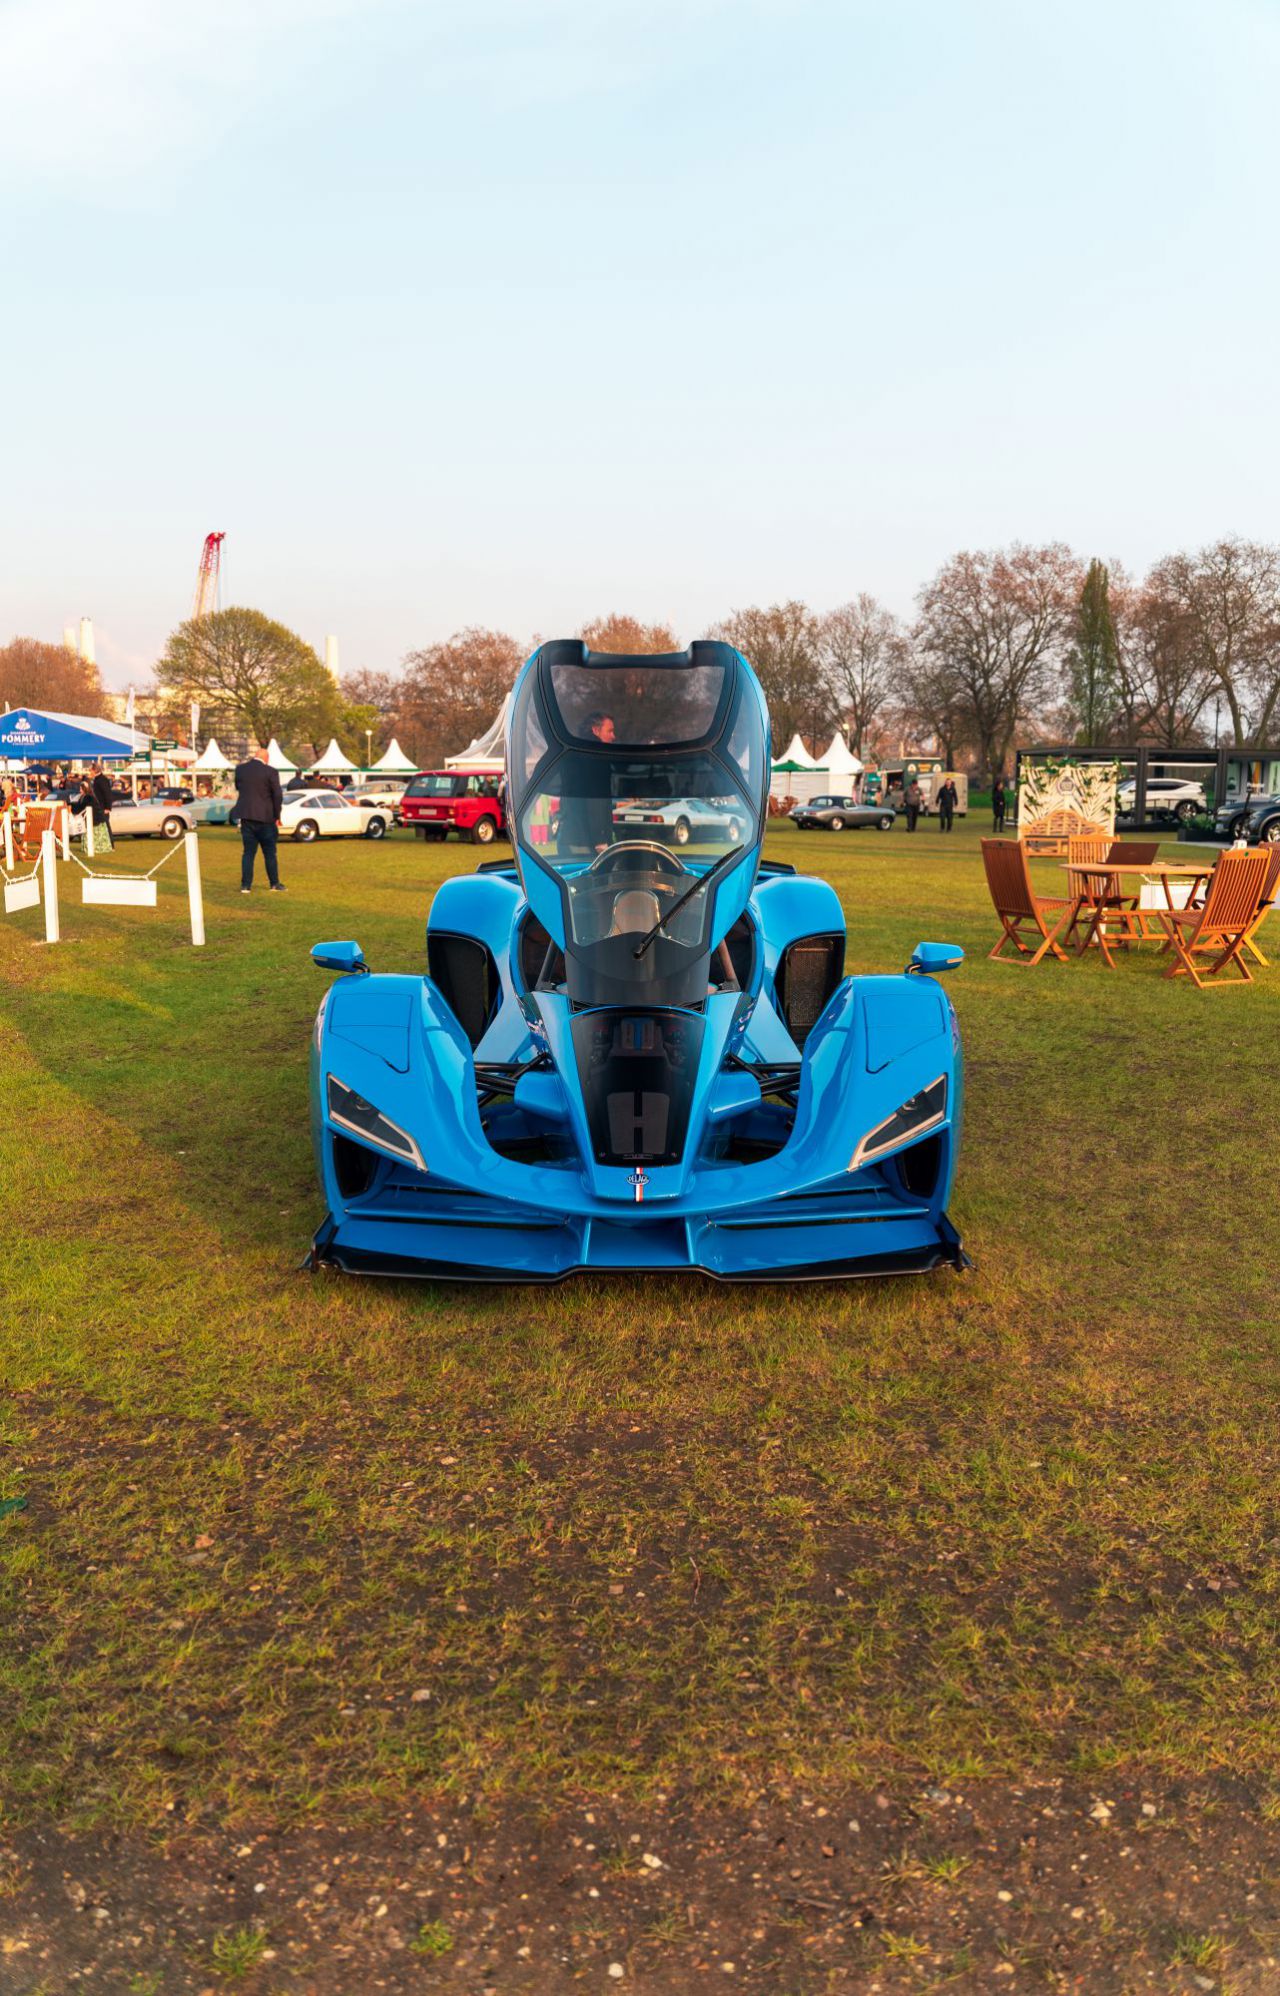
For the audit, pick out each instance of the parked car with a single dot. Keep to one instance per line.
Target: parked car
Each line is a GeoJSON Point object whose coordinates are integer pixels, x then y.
{"type": "Point", "coordinates": [440, 801]}
{"type": "Point", "coordinates": [1167, 797]}
{"type": "Point", "coordinates": [1231, 820]}
{"type": "Point", "coordinates": [310, 814]}
{"type": "Point", "coordinates": [1262, 826]}
{"type": "Point", "coordinates": [150, 818]}
{"type": "Point", "coordinates": [822, 804]}
{"type": "Point", "coordinates": [386, 794]}
{"type": "Point", "coordinates": [838, 816]}
{"type": "Point", "coordinates": [214, 810]}
{"type": "Point", "coordinates": [682, 819]}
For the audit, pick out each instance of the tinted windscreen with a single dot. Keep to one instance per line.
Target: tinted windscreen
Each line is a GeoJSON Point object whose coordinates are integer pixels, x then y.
{"type": "Point", "coordinates": [588, 802]}
{"type": "Point", "coordinates": [638, 704]}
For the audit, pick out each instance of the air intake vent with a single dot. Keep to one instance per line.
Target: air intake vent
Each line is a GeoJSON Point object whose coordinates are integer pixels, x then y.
{"type": "Point", "coordinates": [809, 972]}
{"type": "Point", "coordinates": [466, 977]}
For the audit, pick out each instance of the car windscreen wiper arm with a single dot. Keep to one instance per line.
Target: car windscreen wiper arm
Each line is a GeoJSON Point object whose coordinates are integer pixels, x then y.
{"type": "Point", "coordinates": [704, 880]}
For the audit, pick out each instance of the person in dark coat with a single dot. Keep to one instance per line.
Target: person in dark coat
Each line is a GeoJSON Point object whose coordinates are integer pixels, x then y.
{"type": "Point", "coordinates": [257, 812]}
{"type": "Point", "coordinates": [913, 798]}
{"type": "Point", "coordinates": [95, 798]}
{"type": "Point", "coordinates": [948, 798]}
{"type": "Point", "coordinates": [997, 802]}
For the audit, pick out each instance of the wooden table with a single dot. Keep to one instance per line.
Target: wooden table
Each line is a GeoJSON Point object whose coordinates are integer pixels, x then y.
{"type": "Point", "coordinates": [1163, 870]}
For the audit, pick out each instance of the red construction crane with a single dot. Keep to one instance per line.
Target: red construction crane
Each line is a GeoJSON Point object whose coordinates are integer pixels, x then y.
{"type": "Point", "coordinates": [206, 599]}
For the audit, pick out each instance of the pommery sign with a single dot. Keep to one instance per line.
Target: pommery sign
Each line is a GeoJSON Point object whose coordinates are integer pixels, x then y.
{"type": "Point", "coordinates": [23, 734]}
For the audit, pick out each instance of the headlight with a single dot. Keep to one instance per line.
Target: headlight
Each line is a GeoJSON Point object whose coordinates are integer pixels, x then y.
{"type": "Point", "coordinates": [916, 1117]}
{"type": "Point", "coordinates": [351, 1112]}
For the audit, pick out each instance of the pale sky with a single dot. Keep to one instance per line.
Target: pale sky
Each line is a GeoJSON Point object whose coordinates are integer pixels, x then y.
{"type": "Point", "coordinates": [519, 311]}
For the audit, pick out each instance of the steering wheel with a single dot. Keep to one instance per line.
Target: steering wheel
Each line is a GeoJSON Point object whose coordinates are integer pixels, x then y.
{"type": "Point", "coordinates": [668, 862]}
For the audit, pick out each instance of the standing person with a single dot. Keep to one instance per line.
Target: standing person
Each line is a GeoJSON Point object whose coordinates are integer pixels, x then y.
{"type": "Point", "coordinates": [913, 798]}
{"type": "Point", "coordinates": [997, 801]}
{"type": "Point", "coordinates": [948, 798]}
{"type": "Point", "coordinates": [96, 801]}
{"type": "Point", "coordinates": [257, 812]}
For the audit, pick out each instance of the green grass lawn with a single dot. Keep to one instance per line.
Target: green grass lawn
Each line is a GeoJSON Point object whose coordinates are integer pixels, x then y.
{"type": "Point", "coordinates": [632, 1534]}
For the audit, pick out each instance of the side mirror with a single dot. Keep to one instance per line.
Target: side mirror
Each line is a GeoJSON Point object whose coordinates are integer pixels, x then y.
{"type": "Point", "coordinates": [347, 958]}
{"type": "Point", "coordinates": [930, 959]}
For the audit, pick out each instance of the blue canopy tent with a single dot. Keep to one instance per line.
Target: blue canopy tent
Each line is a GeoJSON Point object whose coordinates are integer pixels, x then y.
{"type": "Point", "coordinates": [28, 735]}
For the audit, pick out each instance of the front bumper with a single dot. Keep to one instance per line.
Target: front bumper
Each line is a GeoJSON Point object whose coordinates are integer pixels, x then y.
{"type": "Point", "coordinates": [789, 1240]}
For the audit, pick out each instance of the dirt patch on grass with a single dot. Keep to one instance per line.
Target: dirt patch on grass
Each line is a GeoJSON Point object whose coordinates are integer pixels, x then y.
{"type": "Point", "coordinates": [1103, 1888]}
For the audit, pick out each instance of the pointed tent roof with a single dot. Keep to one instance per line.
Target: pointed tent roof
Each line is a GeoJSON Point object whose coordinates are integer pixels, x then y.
{"type": "Point", "coordinates": [840, 760]}
{"type": "Point", "coordinates": [278, 759]}
{"type": "Point", "coordinates": [332, 763]}
{"type": "Point", "coordinates": [797, 756]}
{"type": "Point", "coordinates": [211, 757]}
{"type": "Point", "coordinates": [394, 763]}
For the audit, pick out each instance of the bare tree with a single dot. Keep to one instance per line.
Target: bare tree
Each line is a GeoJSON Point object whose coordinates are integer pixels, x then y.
{"type": "Point", "coordinates": [451, 691]}
{"type": "Point", "coordinates": [863, 652]}
{"type": "Point", "coordinates": [994, 623]}
{"type": "Point", "coordinates": [1228, 600]}
{"type": "Point", "coordinates": [619, 633]}
{"type": "Point", "coordinates": [933, 703]}
{"type": "Point", "coordinates": [781, 643]}
{"type": "Point", "coordinates": [34, 674]}
{"type": "Point", "coordinates": [1168, 667]}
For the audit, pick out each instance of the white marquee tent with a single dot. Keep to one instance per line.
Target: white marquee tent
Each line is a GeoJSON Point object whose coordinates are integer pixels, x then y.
{"type": "Point", "coordinates": [839, 760]}
{"type": "Point", "coordinates": [279, 760]}
{"type": "Point", "coordinates": [394, 763]}
{"type": "Point", "coordinates": [210, 760]}
{"type": "Point", "coordinates": [332, 763]}
{"type": "Point", "coordinates": [796, 752]}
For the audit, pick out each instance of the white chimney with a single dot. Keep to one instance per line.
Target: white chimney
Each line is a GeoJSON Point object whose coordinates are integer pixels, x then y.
{"type": "Point", "coordinates": [69, 639]}
{"type": "Point", "coordinates": [331, 657]}
{"type": "Point", "coordinates": [86, 641]}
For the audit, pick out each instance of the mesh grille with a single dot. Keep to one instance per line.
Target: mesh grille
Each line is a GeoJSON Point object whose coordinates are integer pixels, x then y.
{"type": "Point", "coordinates": [808, 974]}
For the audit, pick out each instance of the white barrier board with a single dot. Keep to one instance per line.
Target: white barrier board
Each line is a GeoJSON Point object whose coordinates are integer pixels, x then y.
{"type": "Point", "coordinates": [1152, 895]}
{"type": "Point", "coordinates": [118, 893]}
{"type": "Point", "coordinates": [21, 894]}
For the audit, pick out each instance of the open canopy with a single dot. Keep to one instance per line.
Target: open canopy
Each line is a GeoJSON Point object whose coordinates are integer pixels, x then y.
{"type": "Point", "coordinates": [278, 759]}
{"type": "Point", "coordinates": [332, 763]}
{"type": "Point", "coordinates": [28, 734]}
{"type": "Point", "coordinates": [394, 763]}
{"type": "Point", "coordinates": [211, 757]}
{"type": "Point", "coordinates": [488, 752]}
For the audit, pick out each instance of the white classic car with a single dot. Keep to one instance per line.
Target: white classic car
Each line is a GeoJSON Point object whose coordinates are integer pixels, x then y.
{"type": "Point", "coordinates": [682, 819]}
{"type": "Point", "coordinates": [313, 814]}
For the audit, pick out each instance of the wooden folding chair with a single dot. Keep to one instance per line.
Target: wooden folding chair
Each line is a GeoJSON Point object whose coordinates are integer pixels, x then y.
{"type": "Point", "coordinates": [1270, 895]}
{"type": "Point", "coordinates": [1232, 909]}
{"type": "Point", "coordinates": [1017, 903]}
{"type": "Point", "coordinates": [1111, 914]}
{"type": "Point", "coordinates": [39, 818]}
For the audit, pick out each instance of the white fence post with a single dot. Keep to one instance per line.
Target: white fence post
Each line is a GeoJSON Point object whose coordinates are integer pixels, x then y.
{"type": "Point", "coordinates": [64, 818]}
{"type": "Point", "coordinates": [49, 866]}
{"type": "Point", "coordinates": [8, 842]}
{"type": "Point", "coordinates": [194, 892]}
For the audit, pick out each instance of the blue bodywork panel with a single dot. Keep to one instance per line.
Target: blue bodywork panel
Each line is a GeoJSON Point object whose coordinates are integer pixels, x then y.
{"type": "Point", "coordinates": [766, 1117]}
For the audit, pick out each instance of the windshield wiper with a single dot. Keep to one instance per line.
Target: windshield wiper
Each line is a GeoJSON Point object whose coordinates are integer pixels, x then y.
{"type": "Point", "coordinates": [704, 880]}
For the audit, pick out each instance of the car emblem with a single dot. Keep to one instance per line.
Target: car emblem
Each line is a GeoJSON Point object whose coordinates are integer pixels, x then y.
{"type": "Point", "coordinates": [639, 1178]}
